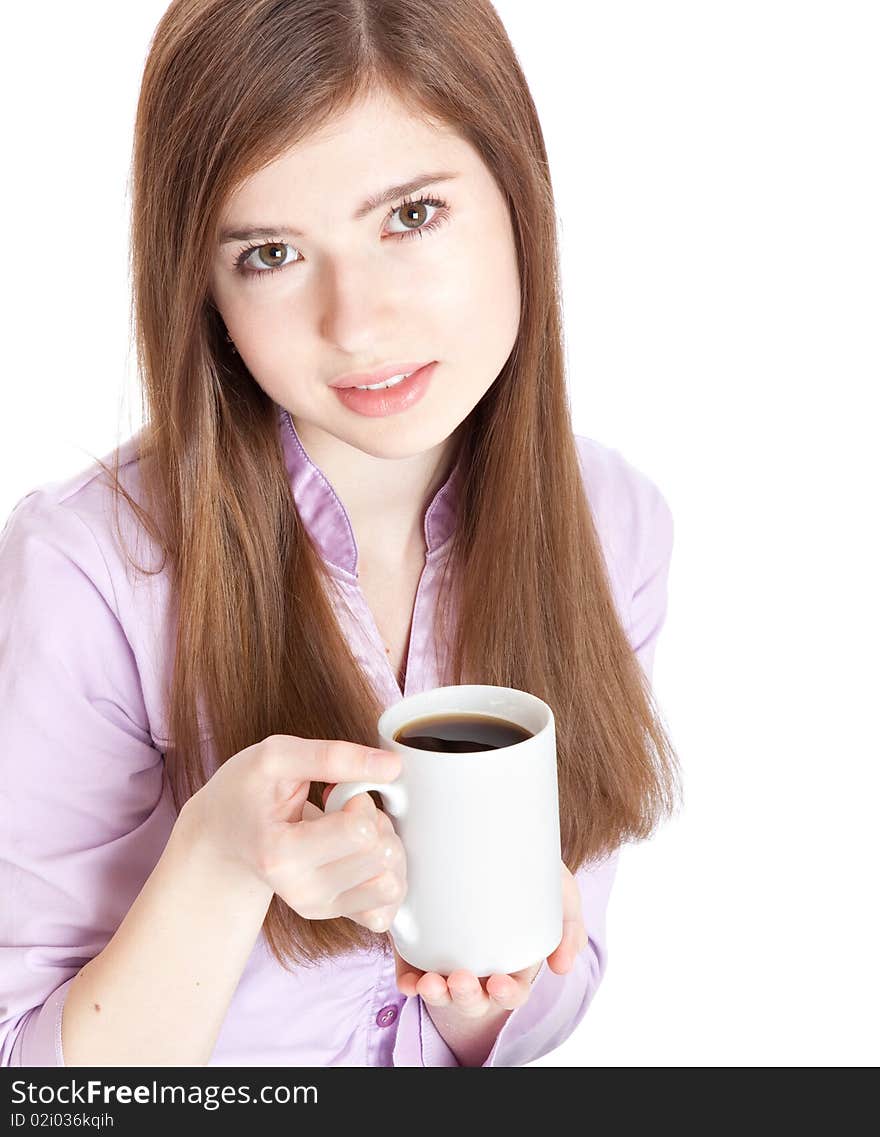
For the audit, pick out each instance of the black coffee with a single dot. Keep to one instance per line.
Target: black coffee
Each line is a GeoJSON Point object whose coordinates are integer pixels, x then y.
{"type": "Point", "coordinates": [461, 733]}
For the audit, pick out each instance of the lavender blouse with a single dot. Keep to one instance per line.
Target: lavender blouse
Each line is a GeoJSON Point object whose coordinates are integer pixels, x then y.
{"type": "Point", "coordinates": [85, 810]}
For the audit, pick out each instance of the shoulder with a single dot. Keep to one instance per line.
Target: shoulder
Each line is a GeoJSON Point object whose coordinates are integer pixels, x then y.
{"type": "Point", "coordinates": [85, 492]}
{"type": "Point", "coordinates": [67, 540]}
{"type": "Point", "coordinates": [70, 558]}
{"type": "Point", "coordinates": [71, 555]}
{"type": "Point", "coordinates": [78, 515]}
{"type": "Point", "coordinates": [632, 516]}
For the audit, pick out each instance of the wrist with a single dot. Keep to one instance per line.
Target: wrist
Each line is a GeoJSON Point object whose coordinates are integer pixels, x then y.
{"type": "Point", "coordinates": [470, 1040]}
{"type": "Point", "coordinates": [190, 844]}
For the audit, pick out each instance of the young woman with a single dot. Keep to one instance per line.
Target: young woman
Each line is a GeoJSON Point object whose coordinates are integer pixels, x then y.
{"type": "Point", "coordinates": [197, 643]}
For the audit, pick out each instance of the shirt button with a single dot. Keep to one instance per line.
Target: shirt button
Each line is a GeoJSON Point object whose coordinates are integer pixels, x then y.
{"type": "Point", "coordinates": [386, 1016]}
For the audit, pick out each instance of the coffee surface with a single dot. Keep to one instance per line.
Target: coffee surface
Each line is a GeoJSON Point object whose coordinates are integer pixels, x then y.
{"type": "Point", "coordinates": [460, 733]}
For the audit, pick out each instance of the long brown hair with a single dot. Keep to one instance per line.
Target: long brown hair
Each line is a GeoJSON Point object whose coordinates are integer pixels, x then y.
{"type": "Point", "coordinates": [228, 86]}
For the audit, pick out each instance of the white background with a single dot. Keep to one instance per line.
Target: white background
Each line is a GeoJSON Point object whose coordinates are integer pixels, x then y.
{"type": "Point", "coordinates": [716, 172]}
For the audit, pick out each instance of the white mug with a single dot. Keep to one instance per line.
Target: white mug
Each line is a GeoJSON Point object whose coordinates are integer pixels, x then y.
{"type": "Point", "coordinates": [481, 835]}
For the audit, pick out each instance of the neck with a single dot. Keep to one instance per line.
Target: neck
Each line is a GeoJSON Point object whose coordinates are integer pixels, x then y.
{"type": "Point", "coordinates": [385, 498]}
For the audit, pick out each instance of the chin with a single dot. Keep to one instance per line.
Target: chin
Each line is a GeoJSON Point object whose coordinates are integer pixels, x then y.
{"type": "Point", "coordinates": [394, 438]}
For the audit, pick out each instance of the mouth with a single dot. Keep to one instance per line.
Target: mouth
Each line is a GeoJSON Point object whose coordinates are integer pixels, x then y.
{"type": "Point", "coordinates": [387, 376]}
{"type": "Point", "coordinates": [393, 395]}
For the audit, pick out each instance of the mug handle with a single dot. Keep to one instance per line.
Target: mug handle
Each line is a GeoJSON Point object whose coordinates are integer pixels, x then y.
{"type": "Point", "coordinates": [403, 927]}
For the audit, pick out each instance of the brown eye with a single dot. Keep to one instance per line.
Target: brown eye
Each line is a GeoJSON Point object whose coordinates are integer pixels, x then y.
{"type": "Point", "coordinates": [413, 214]}
{"type": "Point", "coordinates": [419, 216]}
{"type": "Point", "coordinates": [272, 255]}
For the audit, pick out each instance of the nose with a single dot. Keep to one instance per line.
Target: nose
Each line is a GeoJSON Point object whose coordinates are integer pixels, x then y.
{"type": "Point", "coordinates": [361, 306]}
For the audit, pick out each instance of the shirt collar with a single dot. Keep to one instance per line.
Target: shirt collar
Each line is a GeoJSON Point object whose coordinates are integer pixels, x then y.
{"type": "Point", "coordinates": [325, 517]}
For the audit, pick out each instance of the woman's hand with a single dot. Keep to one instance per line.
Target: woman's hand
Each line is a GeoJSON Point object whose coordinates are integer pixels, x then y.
{"type": "Point", "coordinates": [473, 997]}
{"type": "Point", "coordinates": [254, 818]}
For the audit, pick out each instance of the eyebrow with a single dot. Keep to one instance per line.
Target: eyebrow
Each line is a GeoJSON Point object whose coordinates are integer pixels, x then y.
{"type": "Point", "coordinates": [384, 197]}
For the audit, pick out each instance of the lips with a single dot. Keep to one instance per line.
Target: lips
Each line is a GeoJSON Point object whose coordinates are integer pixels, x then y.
{"type": "Point", "coordinates": [389, 400]}
{"type": "Point", "coordinates": [366, 378]}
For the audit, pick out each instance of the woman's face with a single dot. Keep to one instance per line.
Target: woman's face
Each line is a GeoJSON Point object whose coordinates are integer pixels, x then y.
{"type": "Point", "coordinates": [353, 293]}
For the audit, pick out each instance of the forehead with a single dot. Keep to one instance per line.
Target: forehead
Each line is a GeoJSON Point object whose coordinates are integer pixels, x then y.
{"type": "Point", "coordinates": [377, 140]}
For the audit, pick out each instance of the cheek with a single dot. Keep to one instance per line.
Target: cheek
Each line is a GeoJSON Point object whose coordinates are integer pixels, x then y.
{"type": "Point", "coordinates": [272, 345]}
{"type": "Point", "coordinates": [271, 328]}
{"type": "Point", "coordinates": [479, 297]}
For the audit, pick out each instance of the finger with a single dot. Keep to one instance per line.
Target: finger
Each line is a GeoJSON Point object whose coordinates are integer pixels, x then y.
{"type": "Point", "coordinates": [366, 808]}
{"type": "Point", "coordinates": [508, 991]}
{"type": "Point", "coordinates": [382, 890]}
{"type": "Point", "coordinates": [386, 833]}
{"type": "Point", "coordinates": [361, 805]}
{"type": "Point", "coordinates": [391, 859]}
{"type": "Point", "coordinates": [574, 940]}
{"type": "Point", "coordinates": [372, 877]}
{"type": "Point", "coordinates": [376, 919]}
{"type": "Point", "coordinates": [572, 908]}
{"type": "Point", "coordinates": [527, 975]}
{"type": "Point", "coordinates": [408, 982]}
{"type": "Point", "coordinates": [386, 826]}
{"type": "Point", "coordinates": [364, 805]}
{"type": "Point", "coordinates": [327, 837]}
{"type": "Point", "coordinates": [574, 935]}
{"type": "Point", "coordinates": [408, 976]}
{"type": "Point", "coordinates": [370, 871]}
{"type": "Point", "coordinates": [364, 801]}
{"type": "Point", "coordinates": [432, 988]}
{"type": "Point", "coordinates": [287, 757]}
{"type": "Point", "coordinates": [468, 996]}
{"type": "Point", "coordinates": [380, 919]}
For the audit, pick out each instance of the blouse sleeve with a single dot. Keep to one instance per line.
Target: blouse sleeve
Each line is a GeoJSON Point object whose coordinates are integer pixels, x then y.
{"type": "Point", "coordinates": [651, 581]}
{"type": "Point", "coordinates": [557, 1003]}
{"type": "Point", "coordinates": [85, 817]}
